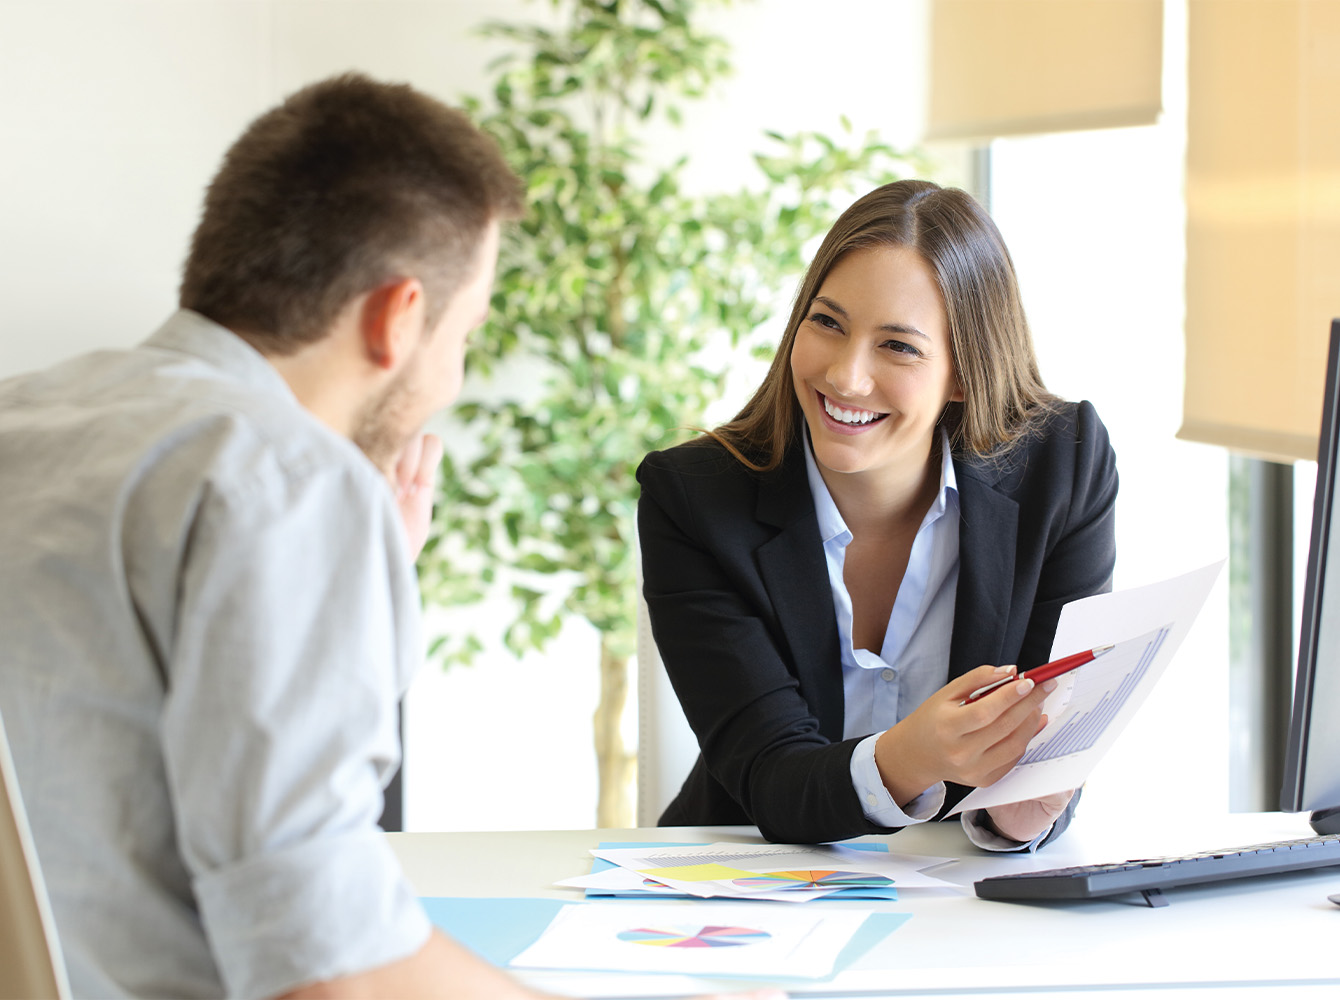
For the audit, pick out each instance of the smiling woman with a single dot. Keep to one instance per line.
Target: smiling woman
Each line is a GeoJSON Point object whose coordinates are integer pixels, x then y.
{"type": "Point", "coordinates": [902, 464]}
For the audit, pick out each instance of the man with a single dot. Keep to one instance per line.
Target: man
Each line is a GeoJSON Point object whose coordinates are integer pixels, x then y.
{"type": "Point", "coordinates": [207, 594]}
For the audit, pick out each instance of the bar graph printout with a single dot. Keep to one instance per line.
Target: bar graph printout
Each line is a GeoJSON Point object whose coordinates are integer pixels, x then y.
{"type": "Point", "coordinates": [1091, 705]}
{"type": "Point", "coordinates": [1094, 698]}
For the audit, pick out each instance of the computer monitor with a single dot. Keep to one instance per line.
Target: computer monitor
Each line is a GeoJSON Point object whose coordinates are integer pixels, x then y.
{"type": "Point", "coordinates": [1312, 758]}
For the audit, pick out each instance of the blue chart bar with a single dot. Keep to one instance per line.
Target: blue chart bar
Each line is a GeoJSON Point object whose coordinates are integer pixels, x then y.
{"type": "Point", "coordinates": [1082, 731]}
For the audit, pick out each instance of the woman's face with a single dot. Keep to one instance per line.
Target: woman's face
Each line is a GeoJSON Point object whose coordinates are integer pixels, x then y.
{"type": "Point", "coordinates": [872, 365]}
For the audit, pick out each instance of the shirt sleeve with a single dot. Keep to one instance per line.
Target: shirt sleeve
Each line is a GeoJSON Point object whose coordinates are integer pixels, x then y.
{"type": "Point", "coordinates": [298, 623]}
{"type": "Point", "coordinates": [875, 798]}
{"type": "Point", "coordinates": [979, 831]}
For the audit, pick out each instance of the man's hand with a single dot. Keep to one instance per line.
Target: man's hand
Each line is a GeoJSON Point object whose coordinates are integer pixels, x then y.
{"type": "Point", "coordinates": [974, 744]}
{"type": "Point", "coordinates": [415, 479]}
{"type": "Point", "coordinates": [1022, 821]}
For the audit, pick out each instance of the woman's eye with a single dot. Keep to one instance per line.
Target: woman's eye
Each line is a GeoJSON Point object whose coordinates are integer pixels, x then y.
{"type": "Point", "coordinates": [824, 320]}
{"type": "Point", "coordinates": [902, 347]}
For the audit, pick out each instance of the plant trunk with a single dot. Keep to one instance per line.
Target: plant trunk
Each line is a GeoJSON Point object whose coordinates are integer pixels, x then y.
{"type": "Point", "coordinates": [615, 763]}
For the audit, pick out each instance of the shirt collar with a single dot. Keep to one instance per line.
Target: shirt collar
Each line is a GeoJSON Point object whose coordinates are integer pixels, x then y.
{"type": "Point", "coordinates": [833, 527]}
{"type": "Point", "coordinates": [190, 333]}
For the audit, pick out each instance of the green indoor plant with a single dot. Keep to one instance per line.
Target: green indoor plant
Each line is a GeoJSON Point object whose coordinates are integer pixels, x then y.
{"type": "Point", "coordinates": [627, 297]}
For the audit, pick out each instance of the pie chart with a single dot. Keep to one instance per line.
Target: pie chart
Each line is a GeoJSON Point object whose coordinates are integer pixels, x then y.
{"type": "Point", "coordinates": [814, 880]}
{"type": "Point", "coordinates": [712, 936]}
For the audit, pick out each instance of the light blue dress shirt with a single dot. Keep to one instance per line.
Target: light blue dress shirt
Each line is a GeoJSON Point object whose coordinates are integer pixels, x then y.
{"type": "Point", "coordinates": [209, 612]}
{"type": "Point", "coordinates": [880, 690]}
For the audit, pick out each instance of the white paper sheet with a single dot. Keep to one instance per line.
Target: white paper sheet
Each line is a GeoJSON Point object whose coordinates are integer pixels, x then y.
{"type": "Point", "coordinates": [746, 870]}
{"type": "Point", "coordinates": [695, 938]}
{"type": "Point", "coordinates": [627, 881]}
{"type": "Point", "coordinates": [1087, 712]}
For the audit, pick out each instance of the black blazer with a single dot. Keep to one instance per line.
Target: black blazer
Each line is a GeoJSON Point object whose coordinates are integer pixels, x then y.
{"type": "Point", "coordinates": [742, 613]}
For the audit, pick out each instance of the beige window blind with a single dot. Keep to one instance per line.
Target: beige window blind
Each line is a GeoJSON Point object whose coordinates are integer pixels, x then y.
{"type": "Point", "coordinates": [1263, 221]}
{"type": "Point", "coordinates": [1018, 67]}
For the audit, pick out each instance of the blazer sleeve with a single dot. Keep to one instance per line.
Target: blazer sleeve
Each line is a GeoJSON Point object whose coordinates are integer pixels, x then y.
{"type": "Point", "coordinates": [1079, 545]}
{"type": "Point", "coordinates": [763, 758]}
{"type": "Point", "coordinates": [1080, 560]}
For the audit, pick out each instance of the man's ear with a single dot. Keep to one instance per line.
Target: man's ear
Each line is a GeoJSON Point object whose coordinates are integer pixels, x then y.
{"type": "Point", "coordinates": [392, 321]}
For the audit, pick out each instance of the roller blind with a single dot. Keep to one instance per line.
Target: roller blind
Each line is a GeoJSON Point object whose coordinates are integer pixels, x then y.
{"type": "Point", "coordinates": [1263, 221]}
{"type": "Point", "coordinates": [1015, 67]}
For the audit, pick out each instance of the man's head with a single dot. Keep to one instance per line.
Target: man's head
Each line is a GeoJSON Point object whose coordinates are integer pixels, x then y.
{"type": "Point", "coordinates": [345, 186]}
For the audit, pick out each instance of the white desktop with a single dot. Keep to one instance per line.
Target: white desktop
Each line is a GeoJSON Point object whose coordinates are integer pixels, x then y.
{"type": "Point", "coordinates": [1260, 937]}
{"type": "Point", "coordinates": [1257, 937]}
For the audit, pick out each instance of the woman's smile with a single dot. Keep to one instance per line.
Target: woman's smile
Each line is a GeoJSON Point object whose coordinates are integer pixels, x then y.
{"type": "Point", "coordinates": [848, 419]}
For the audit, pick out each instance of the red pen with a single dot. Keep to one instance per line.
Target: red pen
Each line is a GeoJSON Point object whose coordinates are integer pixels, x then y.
{"type": "Point", "coordinates": [1045, 672]}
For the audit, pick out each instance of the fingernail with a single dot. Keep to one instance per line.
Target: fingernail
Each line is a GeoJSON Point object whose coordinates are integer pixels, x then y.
{"type": "Point", "coordinates": [1023, 687]}
{"type": "Point", "coordinates": [1050, 685]}
{"type": "Point", "coordinates": [1006, 668]}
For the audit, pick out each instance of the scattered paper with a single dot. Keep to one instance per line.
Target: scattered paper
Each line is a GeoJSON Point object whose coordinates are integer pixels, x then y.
{"type": "Point", "coordinates": [750, 871]}
{"type": "Point", "coordinates": [758, 939]}
{"type": "Point", "coordinates": [607, 880]}
{"type": "Point", "coordinates": [626, 882]}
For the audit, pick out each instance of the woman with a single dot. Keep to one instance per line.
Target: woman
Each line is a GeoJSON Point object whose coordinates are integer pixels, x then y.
{"type": "Point", "coordinates": [895, 519]}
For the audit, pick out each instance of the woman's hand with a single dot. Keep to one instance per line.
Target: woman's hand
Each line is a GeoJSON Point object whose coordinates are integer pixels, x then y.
{"type": "Point", "coordinates": [1022, 821]}
{"type": "Point", "coordinates": [415, 478]}
{"type": "Point", "coordinates": [946, 740]}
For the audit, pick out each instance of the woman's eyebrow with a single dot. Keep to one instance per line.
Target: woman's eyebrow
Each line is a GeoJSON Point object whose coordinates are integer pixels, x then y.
{"type": "Point", "coordinates": [828, 303]}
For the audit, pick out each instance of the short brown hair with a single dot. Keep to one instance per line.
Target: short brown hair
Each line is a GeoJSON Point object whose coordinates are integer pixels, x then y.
{"type": "Point", "coordinates": [994, 361]}
{"type": "Point", "coordinates": [346, 184]}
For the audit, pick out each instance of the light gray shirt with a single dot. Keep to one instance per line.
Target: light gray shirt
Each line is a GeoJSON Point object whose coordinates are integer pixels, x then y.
{"type": "Point", "coordinates": [208, 614]}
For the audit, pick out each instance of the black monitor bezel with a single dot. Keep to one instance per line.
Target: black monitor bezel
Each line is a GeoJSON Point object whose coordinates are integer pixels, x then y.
{"type": "Point", "coordinates": [1300, 720]}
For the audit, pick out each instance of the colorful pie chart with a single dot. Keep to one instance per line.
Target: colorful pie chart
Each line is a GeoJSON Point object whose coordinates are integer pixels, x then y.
{"type": "Point", "coordinates": [711, 936]}
{"type": "Point", "coordinates": [814, 880]}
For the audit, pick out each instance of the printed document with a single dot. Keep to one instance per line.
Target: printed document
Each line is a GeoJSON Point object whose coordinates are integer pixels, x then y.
{"type": "Point", "coordinates": [1092, 704]}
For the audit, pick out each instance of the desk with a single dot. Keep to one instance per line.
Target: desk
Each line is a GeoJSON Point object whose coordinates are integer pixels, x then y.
{"type": "Point", "coordinates": [1257, 938]}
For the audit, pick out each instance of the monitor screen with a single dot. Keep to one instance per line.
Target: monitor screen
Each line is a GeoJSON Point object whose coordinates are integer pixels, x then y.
{"type": "Point", "coordinates": [1312, 758]}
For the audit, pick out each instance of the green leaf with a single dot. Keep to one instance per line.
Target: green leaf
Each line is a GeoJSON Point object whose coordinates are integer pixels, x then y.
{"type": "Point", "coordinates": [615, 297]}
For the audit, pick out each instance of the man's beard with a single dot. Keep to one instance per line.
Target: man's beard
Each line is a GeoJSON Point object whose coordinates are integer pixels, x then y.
{"type": "Point", "coordinates": [379, 430]}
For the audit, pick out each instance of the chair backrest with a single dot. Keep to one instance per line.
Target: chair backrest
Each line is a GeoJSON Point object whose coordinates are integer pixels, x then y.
{"type": "Point", "coordinates": [666, 746]}
{"type": "Point", "coordinates": [30, 960]}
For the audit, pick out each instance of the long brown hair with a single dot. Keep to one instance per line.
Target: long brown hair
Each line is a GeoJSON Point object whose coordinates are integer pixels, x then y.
{"type": "Point", "coordinates": [992, 348]}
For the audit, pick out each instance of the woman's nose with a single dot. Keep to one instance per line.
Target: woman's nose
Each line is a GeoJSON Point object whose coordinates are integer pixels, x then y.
{"type": "Point", "coordinates": [849, 374]}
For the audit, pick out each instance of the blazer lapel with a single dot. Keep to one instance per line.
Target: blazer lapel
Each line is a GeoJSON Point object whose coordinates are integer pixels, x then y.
{"type": "Point", "coordinates": [795, 573]}
{"type": "Point", "coordinates": [988, 524]}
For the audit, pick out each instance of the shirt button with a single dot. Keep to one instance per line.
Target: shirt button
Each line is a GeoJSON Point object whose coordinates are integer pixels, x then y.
{"type": "Point", "coordinates": [886, 674]}
{"type": "Point", "coordinates": [871, 800]}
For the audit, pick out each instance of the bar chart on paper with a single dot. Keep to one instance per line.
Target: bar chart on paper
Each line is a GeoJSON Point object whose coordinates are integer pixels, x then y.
{"type": "Point", "coordinates": [1093, 703]}
{"type": "Point", "coordinates": [1099, 692]}
{"type": "Point", "coordinates": [1085, 713]}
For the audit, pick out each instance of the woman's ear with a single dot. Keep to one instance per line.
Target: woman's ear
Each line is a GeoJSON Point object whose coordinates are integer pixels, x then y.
{"type": "Point", "coordinates": [392, 321]}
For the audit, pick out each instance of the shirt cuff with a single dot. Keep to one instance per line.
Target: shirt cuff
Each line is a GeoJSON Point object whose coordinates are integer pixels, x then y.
{"type": "Point", "coordinates": [876, 801]}
{"type": "Point", "coordinates": [977, 825]}
{"type": "Point", "coordinates": [309, 913]}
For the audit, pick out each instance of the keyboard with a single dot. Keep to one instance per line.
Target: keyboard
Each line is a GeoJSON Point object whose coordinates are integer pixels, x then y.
{"type": "Point", "coordinates": [1151, 875]}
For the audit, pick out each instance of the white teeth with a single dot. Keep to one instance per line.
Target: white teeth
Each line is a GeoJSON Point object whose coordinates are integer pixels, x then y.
{"type": "Point", "coordinates": [849, 416]}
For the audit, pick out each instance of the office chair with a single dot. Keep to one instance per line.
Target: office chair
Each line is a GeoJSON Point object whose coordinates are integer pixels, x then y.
{"type": "Point", "coordinates": [31, 966]}
{"type": "Point", "coordinates": [666, 746]}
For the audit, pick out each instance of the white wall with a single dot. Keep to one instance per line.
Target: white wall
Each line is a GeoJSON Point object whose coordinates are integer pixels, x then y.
{"type": "Point", "coordinates": [114, 114]}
